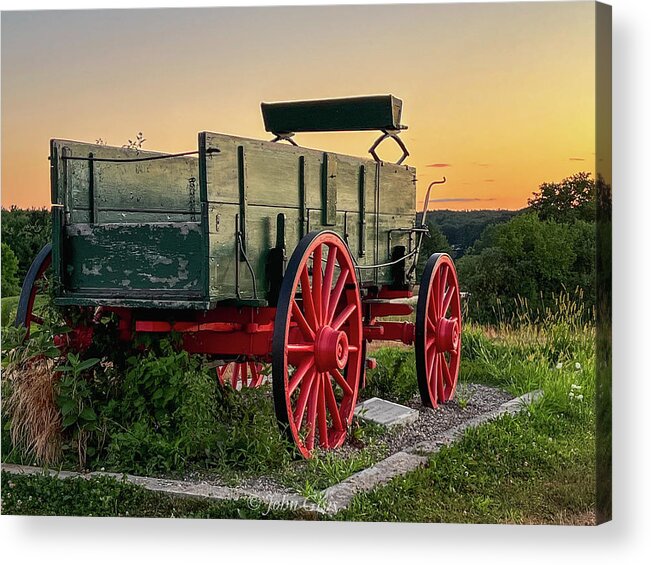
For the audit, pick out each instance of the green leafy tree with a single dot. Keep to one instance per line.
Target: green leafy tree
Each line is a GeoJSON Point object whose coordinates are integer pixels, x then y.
{"type": "Point", "coordinates": [463, 227]}
{"type": "Point", "coordinates": [26, 232]}
{"type": "Point", "coordinates": [574, 198]}
{"type": "Point", "coordinates": [435, 243]}
{"type": "Point", "coordinates": [527, 258]}
{"type": "Point", "coordinates": [10, 282]}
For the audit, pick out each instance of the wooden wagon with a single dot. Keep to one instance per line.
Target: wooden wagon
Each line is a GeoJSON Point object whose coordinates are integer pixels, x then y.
{"type": "Point", "coordinates": [258, 251]}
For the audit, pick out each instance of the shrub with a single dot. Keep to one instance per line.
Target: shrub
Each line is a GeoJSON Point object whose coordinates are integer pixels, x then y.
{"type": "Point", "coordinates": [10, 282]}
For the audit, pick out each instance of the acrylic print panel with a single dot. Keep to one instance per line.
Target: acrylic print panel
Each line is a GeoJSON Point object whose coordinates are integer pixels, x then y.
{"type": "Point", "coordinates": [291, 264]}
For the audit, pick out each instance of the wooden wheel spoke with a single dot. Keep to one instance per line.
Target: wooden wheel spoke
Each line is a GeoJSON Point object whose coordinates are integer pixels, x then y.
{"type": "Point", "coordinates": [442, 281]}
{"type": "Point", "coordinates": [343, 316]}
{"type": "Point", "coordinates": [331, 401]}
{"type": "Point", "coordinates": [327, 280]}
{"type": "Point", "coordinates": [301, 371]}
{"type": "Point", "coordinates": [256, 374]}
{"type": "Point", "coordinates": [336, 294]}
{"type": "Point", "coordinates": [307, 331]}
{"type": "Point", "coordinates": [431, 368]}
{"type": "Point", "coordinates": [308, 303]}
{"type": "Point", "coordinates": [37, 320]}
{"type": "Point", "coordinates": [300, 348]}
{"type": "Point", "coordinates": [446, 373]}
{"type": "Point", "coordinates": [301, 402]}
{"type": "Point", "coordinates": [317, 283]}
{"type": "Point", "coordinates": [341, 381]}
{"type": "Point", "coordinates": [448, 299]}
{"type": "Point", "coordinates": [322, 413]}
{"type": "Point", "coordinates": [311, 412]}
{"type": "Point", "coordinates": [439, 379]}
{"type": "Point", "coordinates": [432, 380]}
{"type": "Point", "coordinates": [433, 308]}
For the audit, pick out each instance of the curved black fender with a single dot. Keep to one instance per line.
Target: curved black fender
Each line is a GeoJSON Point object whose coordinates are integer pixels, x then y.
{"type": "Point", "coordinates": [36, 270]}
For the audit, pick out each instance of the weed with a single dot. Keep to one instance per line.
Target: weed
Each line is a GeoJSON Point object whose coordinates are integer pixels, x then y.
{"type": "Point", "coordinates": [463, 395]}
{"type": "Point", "coordinates": [313, 494]}
{"type": "Point", "coordinates": [394, 378]}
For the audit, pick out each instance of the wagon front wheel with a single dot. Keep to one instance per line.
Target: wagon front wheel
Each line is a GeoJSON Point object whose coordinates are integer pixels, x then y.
{"type": "Point", "coordinates": [438, 331]}
{"type": "Point", "coordinates": [317, 344]}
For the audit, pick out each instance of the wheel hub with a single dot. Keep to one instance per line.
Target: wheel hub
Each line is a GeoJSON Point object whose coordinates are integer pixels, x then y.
{"type": "Point", "coordinates": [447, 334]}
{"type": "Point", "coordinates": [330, 349]}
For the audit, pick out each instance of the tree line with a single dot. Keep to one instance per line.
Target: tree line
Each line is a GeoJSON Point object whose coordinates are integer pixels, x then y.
{"type": "Point", "coordinates": [24, 233]}
{"type": "Point", "coordinates": [529, 256]}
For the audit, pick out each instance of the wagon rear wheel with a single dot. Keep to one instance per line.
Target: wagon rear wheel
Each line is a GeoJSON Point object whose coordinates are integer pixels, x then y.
{"type": "Point", "coordinates": [438, 331]}
{"type": "Point", "coordinates": [317, 344]}
{"type": "Point", "coordinates": [35, 283]}
{"type": "Point", "coordinates": [241, 375]}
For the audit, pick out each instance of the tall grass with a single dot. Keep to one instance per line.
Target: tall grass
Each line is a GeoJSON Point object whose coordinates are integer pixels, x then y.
{"type": "Point", "coordinates": [553, 350]}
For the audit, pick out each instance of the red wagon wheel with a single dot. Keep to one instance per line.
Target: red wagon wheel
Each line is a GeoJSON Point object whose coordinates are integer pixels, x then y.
{"type": "Point", "coordinates": [317, 343]}
{"type": "Point", "coordinates": [438, 331]}
{"type": "Point", "coordinates": [241, 375]}
{"type": "Point", "coordinates": [35, 283]}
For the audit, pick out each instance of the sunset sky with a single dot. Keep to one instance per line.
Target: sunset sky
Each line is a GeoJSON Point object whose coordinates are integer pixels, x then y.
{"type": "Point", "coordinates": [498, 97]}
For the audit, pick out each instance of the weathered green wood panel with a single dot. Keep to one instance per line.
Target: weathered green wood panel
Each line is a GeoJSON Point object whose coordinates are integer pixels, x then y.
{"type": "Point", "coordinates": [222, 263]}
{"type": "Point", "coordinates": [273, 173]}
{"type": "Point", "coordinates": [131, 260]}
{"type": "Point", "coordinates": [133, 217]}
{"type": "Point", "coordinates": [155, 189]}
{"type": "Point", "coordinates": [282, 178]}
{"type": "Point", "coordinates": [397, 190]}
{"type": "Point", "coordinates": [329, 189]}
{"type": "Point", "coordinates": [164, 231]}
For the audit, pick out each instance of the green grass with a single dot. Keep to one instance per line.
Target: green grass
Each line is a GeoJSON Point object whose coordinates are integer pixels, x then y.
{"type": "Point", "coordinates": [9, 307]}
{"type": "Point", "coordinates": [523, 469]}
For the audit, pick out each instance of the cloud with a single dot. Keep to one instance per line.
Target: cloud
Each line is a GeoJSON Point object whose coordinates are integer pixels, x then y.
{"type": "Point", "coordinates": [576, 159]}
{"type": "Point", "coordinates": [489, 180]}
{"type": "Point", "coordinates": [482, 164]}
{"type": "Point", "coordinates": [461, 199]}
{"type": "Point", "coordinates": [439, 165]}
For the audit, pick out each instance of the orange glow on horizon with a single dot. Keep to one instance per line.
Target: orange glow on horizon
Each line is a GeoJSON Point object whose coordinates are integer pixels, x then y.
{"type": "Point", "coordinates": [499, 98]}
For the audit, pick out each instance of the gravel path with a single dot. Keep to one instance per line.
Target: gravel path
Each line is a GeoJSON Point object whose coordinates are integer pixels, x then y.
{"type": "Point", "coordinates": [477, 400]}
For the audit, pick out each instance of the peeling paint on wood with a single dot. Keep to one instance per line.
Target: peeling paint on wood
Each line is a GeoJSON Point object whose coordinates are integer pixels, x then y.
{"type": "Point", "coordinates": [154, 256]}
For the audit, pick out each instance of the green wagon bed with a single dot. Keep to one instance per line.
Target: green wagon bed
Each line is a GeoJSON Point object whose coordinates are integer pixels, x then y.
{"type": "Point", "coordinates": [139, 228]}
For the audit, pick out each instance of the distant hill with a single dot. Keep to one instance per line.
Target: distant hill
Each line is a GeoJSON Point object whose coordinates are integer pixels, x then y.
{"type": "Point", "coordinates": [463, 228]}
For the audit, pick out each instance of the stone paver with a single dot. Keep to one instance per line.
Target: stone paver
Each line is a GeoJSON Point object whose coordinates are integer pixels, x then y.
{"type": "Point", "coordinates": [385, 413]}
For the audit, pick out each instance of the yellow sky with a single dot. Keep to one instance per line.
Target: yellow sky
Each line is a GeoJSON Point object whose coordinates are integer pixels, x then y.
{"type": "Point", "coordinates": [499, 96]}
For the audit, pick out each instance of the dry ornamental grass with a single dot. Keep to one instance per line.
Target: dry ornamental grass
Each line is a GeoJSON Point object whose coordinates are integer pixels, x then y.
{"type": "Point", "coordinates": [32, 409]}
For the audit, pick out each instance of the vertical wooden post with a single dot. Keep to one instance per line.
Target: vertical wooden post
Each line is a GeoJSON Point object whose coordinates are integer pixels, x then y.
{"type": "Point", "coordinates": [241, 176]}
{"type": "Point", "coordinates": [362, 211]}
